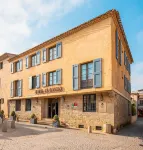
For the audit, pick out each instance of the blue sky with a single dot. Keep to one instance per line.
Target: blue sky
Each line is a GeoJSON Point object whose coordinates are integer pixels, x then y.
{"type": "Point", "coordinates": [30, 22]}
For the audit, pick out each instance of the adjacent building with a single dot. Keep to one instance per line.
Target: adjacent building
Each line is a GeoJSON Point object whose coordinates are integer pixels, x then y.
{"type": "Point", "coordinates": [82, 75]}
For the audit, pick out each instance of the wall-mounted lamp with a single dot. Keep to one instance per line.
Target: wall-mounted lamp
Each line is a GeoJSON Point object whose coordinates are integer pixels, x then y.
{"type": "Point", "coordinates": [101, 97]}
{"type": "Point", "coordinates": [63, 99]}
{"type": "Point", "coordinates": [37, 101]}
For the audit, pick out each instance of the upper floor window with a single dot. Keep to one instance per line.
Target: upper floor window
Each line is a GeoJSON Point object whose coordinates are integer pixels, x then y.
{"type": "Point", "coordinates": [18, 105]}
{"type": "Point", "coordinates": [1, 65]}
{"type": "Point", "coordinates": [33, 60]}
{"type": "Point", "coordinates": [34, 82]}
{"type": "Point", "coordinates": [127, 63]}
{"type": "Point", "coordinates": [55, 77]}
{"type": "Point", "coordinates": [89, 103]}
{"type": "Point", "coordinates": [52, 53]}
{"type": "Point", "coordinates": [127, 85]}
{"type": "Point", "coordinates": [90, 75]}
{"type": "Point", "coordinates": [141, 102]}
{"type": "Point", "coordinates": [55, 52]}
{"type": "Point", "coordinates": [16, 88]}
{"type": "Point", "coordinates": [16, 66]}
{"type": "Point", "coordinates": [87, 75]}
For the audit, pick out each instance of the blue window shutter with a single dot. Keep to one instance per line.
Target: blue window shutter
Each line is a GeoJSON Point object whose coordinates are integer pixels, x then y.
{"type": "Point", "coordinates": [38, 58]}
{"type": "Point", "coordinates": [124, 82]}
{"type": "Point", "coordinates": [120, 60]}
{"type": "Point", "coordinates": [117, 45]}
{"type": "Point", "coordinates": [38, 81]}
{"type": "Point", "coordinates": [129, 69]}
{"type": "Point", "coordinates": [97, 68]}
{"type": "Point", "coordinates": [26, 62]}
{"type": "Point", "coordinates": [44, 79]}
{"type": "Point", "coordinates": [59, 76]}
{"type": "Point", "coordinates": [30, 82]}
{"type": "Point", "coordinates": [20, 88]}
{"type": "Point", "coordinates": [59, 50]}
{"type": "Point", "coordinates": [44, 55]}
{"type": "Point", "coordinates": [11, 89]}
{"type": "Point", "coordinates": [75, 77]}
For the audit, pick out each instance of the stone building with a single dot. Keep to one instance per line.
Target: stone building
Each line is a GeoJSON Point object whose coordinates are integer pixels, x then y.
{"type": "Point", "coordinates": [82, 75]}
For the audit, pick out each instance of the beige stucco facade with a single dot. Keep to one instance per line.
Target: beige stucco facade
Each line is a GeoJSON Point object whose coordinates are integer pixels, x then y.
{"type": "Point", "coordinates": [89, 41]}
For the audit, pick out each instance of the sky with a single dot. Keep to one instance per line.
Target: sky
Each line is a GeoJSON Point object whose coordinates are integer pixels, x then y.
{"type": "Point", "coordinates": [27, 23]}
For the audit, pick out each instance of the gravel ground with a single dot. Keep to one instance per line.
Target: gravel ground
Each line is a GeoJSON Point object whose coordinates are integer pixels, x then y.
{"type": "Point", "coordinates": [27, 137]}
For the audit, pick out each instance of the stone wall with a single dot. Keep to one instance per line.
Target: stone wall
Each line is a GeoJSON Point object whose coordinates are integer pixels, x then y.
{"type": "Point", "coordinates": [74, 116]}
{"type": "Point", "coordinates": [122, 111]}
{"type": "Point", "coordinates": [35, 108]}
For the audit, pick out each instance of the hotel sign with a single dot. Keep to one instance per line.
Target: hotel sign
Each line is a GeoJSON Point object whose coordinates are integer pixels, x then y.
{"type": "Point", "coordinates": [49, 90]}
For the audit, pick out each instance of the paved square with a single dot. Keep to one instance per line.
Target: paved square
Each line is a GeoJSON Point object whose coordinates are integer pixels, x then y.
{"type": "Point", "coordinates": [26, 137]}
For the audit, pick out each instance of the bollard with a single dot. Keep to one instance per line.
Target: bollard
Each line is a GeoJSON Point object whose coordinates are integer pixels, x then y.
{"type": "Point", "coordinates": [89, 129]}
{"type": "Point", "coordinates": [0, 120]}
{"type": "Point", "coordinates": [4, 126]}
{"type": "Point", "coordinates": [13, 124]}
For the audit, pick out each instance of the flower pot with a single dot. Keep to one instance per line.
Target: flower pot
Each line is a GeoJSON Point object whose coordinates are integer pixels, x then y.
{"type": "Point", "coordinates": [33, 120]}
{"type": "Point", "coordinates": [13, 118]}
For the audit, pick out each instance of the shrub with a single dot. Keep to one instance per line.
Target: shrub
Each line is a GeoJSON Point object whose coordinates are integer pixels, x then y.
{"type": "Point", "coordinates": [56, 118]}
{"type": "Point", "coordinates": [2, 112]}
{"type": "Point", "coordinates": [133, 110]}
{"type": "Point", "coordinates": [33, 116]}
{"type": "Point", "coordinates": [13, 113]}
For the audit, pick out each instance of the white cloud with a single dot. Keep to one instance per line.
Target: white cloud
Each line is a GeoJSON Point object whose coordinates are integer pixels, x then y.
{"type": "Point", "coordinates": [140, 37]}
{"type": "Point", "coordinates": [19, 18]}
{"type": "Point", "coordinates": [137, 76]}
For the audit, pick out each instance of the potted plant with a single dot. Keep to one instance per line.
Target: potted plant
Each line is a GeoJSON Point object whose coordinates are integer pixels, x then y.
{"type": "Point", "coordinates": [33, 119]}
{"type": "Point", "coordinates": [13, 116]}
{"type": "Point", "coordinates": [56, 122]}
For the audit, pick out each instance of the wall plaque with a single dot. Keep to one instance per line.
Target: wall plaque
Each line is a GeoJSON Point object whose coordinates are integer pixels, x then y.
{"type": "Point", "coordinates": [50, 90]}
{"type": "Point", "coordinates": [102, 107]}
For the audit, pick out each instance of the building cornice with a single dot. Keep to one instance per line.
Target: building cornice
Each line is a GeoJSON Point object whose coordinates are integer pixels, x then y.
{"type": "Point", "coordinates": [5, 56]}
{"type": "Point", "coordinates": [112, 13]}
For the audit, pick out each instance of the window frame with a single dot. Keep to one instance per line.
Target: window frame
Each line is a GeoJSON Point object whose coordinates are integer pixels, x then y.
{"type": "Point", "coordinates": [1, 65]}
{"type": "Point", "coordinates": [26, 107]}
{"type": "Point", "coordinates": [16, 106]}
{"type": "Point", "coordinates": [87, 104]}
{"type": "Point", "coordinates": [35, 60]}
{"type": "Point", "coordinates": [17, 66]}
{"type": "Point", "coordinates": [52, 53]}
{"type": "Point", "coordinates": [34, 78]}
{"type": "Point", "coordinates": [87, 75]}
{"type": "Point", "coordinates": [49, 79]}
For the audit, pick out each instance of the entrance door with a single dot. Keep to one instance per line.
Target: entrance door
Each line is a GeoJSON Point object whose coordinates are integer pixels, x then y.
{"type": "Point", "coordinates": [52, 107]}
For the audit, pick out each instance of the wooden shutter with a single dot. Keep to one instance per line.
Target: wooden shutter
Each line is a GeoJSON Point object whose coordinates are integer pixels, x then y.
{"type": "Point", "coordinates": [97, 68]}
{"type": "Point", "coordinates": [26, 62]}
{"type": "Point", "coordinates": [75, 77]}
{"type": "Point", "coordinates": [30, 82]}
{"type": "Point", "coordinates": [11, 89]}
{"type": "Point", "coordinates": [44, 79]}
{"type": "Point", "coordinates": [59, 76]}
{"type": "Point", "coordinates": [44, 55]}
{"type": "Point", "coordinates": [12, 67]}
{"type": "Point", "coordinates": [38, 58]}
{"type": "Point", "coordinates": [38, 81]}
{"type": "Point", "coordinates": [120, 52]}
{"type": "Point", "coordinates": [117, 44]}
{"type": "Point", "coordinates": [58, 50]}
{"type": "Point", "coordinates": [20, 65]}
{"type": "Point", "coordinates": [129, 68]}
{"type": "Point", "coordinates": [20, 88]}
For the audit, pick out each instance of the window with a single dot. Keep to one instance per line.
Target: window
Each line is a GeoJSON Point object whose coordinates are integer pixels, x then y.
{"type": "Point", "coordinates": [141, 102]}
{"type": "Point", "coordinates": [52, 53]}
{"type": "Point", "coordinates": [1, 65]}
{"type": "Point", "coordinates": [17, 87]}
{"type": "Point", "coordinates": [34, 83]}
{"type": "Point", "coordinates": [87, 75]}
{"type": "Point", "coordinates": [33, 60]}
{"type": "Point", "coordinates": [18, 105]}
{"type": "Point", "coordinates": [89, 103]}
{"type": "Point", "coordinates": [52, 78]}
{"type": "Point", "coordinates": [17, 66]}
{"type": "Point", "coordinates": [28, 105]}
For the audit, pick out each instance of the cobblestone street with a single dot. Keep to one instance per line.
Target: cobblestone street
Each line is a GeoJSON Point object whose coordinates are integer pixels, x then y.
{"type": "Point", "coordinates": [26, 137]}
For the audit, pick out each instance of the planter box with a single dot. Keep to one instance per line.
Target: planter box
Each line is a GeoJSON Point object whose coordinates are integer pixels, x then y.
{"type": "Point", "coordinates": [13, 118]}
{"type": "Point", "coordinates": [33, 121]}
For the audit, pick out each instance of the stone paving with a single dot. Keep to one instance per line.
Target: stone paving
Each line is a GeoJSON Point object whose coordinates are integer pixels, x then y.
{"type": "Point", "coordinates": [27, 137]}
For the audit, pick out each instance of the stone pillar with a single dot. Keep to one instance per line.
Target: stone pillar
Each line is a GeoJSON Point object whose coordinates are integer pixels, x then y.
{"type": "Point", "coordinates": [13, 124]}
{"type": "Point", "coordinates": [4, 126]}
{"type": "Point", "coordinates": [89, 129]}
